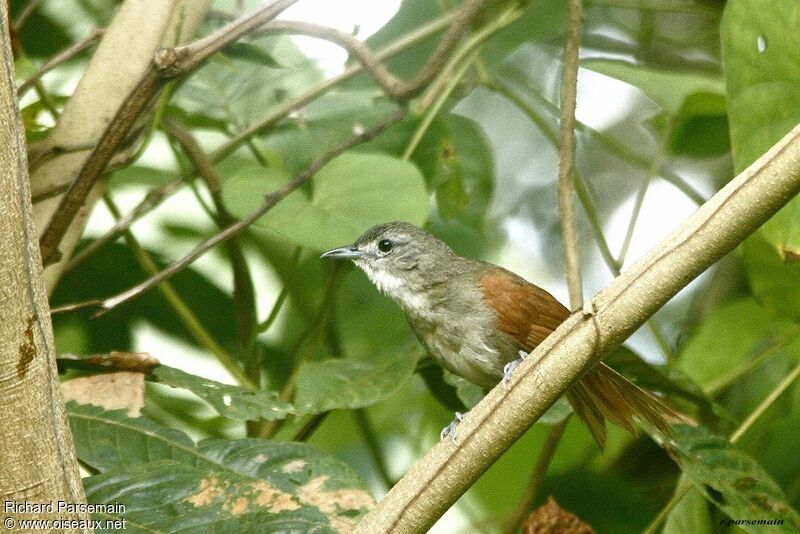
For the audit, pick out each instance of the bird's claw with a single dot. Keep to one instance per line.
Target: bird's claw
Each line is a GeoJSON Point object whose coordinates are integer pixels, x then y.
{"type": "Point", "coordinates": [510, 366]}
{"type": "Point", "coordinates": [450, 430]}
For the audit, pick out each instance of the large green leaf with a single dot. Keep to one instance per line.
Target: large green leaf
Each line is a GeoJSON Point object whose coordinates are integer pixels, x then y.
{"type": "Point", "coordinates": [229, 401]}
{"type": "Point", "coordinates": [168, 483]}
{"type": "Point", "coordinates": [727, 339]}
{"type": "Point", "coordinates": [352, 193]}
{"type": "Point", "coordinates": [773, 282]}
{"type": "Point", "coordinates": [457, 162]}
{"type": "Point", "coordinates": [667, 88]}
{"type": "Point", "coordinates": [237, 92]}
{"type": "Point", "coordinates": [111, 440]}
{"type": "Point", "coordinates": [690, 514]}
{"type": "Point", "coordinates": [351, 383]}
{"type": "Point", "coordinates": [732, 480]}
{"type": "Point", "coordinates": [760, 45]}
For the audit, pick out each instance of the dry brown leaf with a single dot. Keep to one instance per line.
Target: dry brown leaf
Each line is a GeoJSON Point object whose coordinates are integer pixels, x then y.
{"type": "Point", "coordinates": [550, 518]}
{"type": "Point", "coordinates": [123, 390]}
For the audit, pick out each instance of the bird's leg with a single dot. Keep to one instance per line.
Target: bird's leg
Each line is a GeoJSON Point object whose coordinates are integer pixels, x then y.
{"type": "Point", "coordinates": [450, 430]}
{"type": "Point", "coordinates": [510, 366]}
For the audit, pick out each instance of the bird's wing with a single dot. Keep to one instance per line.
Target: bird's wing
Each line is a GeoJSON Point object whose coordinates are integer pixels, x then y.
{"type": "Point", "coordinates": [525, 312]}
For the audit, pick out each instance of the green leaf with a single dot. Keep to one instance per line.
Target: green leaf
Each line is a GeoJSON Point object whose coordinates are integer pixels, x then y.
{"type": "Point", "coordinates": [762, 76]}
{"type": "Point", "coordinates": [468, 393]}
{"type": "Point", "coordinates": [352, 193]}
{"type": "Point", "coordinates": [108, 440]}
{"type": "Point", "coordinates": [773, 282]}
{"type": "Point", "coordinates": [728, 338]}
{"type": "Point", "coordinates": [350, 383]}
{"type": "Point", "coordinates": [669, 89]}
{"type": "Point", "coordinates": [169, 484]}
{"type": "Point", "coordinates": [701, 126]}
{"type": "Point", "coordinates": [229, 401]}
{"type": "Point", "coordinates": [251, 53]}
{"type": "Point", "coordinates": [690, 514]}
{"type": "Point", "coordinates": [238, 92]}
{"type": "Point", "coordinates": [732, 480]}
{"type": "Point", "coordinates": [759, 45]}
{"type": "Point", "coordinates": [457, 162]}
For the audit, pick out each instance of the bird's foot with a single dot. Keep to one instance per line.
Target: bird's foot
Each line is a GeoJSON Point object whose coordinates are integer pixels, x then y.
{"type": "Point", "coordinates": [510, 366]}
{"type": "Point", "coordinates": [450, 430]}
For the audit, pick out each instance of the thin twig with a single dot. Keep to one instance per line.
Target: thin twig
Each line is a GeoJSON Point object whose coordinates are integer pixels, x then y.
{"type": "Point", "coordinates": [269, 201]}
{"type": "Point", "coordinates": [715, 386]}
{"type": "Point", "coordinates": [62, 57]}
{"type": "Point", "coordinates": [182, 60]}
{"type": "Point", "coordinates": [782, 386]}
{"type": "Point", "coordinates": [151, 200]}
{"type": "Point", "coordinates": [658, 159]}
{"type": "Point", "coordinates": [566, 161]}
{"type": "Point", "coordinates": [569, 237]}
{"type": "Point", "coordinates": [585, 198]}
{"type": "Point", "coordinates": [25, 14]}
{"type": "Point", "coordinates": [311, 426]}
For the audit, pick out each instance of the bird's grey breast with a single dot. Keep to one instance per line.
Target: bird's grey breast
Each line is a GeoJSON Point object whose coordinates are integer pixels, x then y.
{"type": "Point", "coordinates": [456, 328]}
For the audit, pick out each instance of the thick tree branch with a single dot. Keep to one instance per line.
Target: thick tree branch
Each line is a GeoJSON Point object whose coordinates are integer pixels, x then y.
{"type": "Point", "coordinates": [37, 462]}
{"type": "Point", "coordinates": [116, 67]}
{"type": "Point", "coordinates": [716, 228]}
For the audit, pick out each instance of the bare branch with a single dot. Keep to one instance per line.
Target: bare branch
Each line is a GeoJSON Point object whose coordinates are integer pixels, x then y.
{"type": "Point", "coordinates": [716, 228]}
{"type": "Point", "coordinates": [184, 59]}
{"type": "Point", "coordinates": [566, 160]}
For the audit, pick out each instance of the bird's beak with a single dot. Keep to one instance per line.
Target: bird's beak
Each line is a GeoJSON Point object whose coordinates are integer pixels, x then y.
{"type": "Point", "coordinates": [349, 252]}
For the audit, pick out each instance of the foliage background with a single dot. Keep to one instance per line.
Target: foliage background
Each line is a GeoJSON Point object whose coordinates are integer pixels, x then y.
{"type": "Point", "coordinates": [674, 98]}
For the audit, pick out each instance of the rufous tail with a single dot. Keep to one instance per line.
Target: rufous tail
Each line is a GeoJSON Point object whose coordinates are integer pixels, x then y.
{"type": "Point", "coordinates": [605, 394]}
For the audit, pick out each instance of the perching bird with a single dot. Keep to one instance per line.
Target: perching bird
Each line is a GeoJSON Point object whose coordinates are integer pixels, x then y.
{"type": "Point", "coordinates": [474, 318]}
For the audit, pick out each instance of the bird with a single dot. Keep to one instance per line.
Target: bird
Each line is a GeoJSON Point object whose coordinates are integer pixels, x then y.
{"type": "Point", "coordinates": [476, 319]}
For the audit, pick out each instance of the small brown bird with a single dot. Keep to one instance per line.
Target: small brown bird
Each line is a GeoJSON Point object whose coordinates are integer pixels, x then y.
{"type": "Point", "coordinates": [474, 318]}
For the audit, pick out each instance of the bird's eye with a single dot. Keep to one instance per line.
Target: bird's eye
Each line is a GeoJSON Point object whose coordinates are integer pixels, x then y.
{"type": "Point", "coordinates": [385, 245]}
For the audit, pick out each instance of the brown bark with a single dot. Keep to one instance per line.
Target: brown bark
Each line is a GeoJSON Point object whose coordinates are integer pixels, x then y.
{"type": "Point", "coordinates": [37, 458]}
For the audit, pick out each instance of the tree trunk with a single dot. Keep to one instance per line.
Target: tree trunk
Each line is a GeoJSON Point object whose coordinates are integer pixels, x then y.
{"type": "Point", "coordinates": [37, 457]}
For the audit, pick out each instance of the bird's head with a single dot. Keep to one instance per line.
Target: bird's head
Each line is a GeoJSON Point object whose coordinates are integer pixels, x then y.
{"type": "Point", "coordinates": [401, 259]}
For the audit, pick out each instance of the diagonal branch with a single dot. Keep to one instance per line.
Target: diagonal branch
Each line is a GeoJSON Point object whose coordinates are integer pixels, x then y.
{"type": "Point", "coordinates": [716, 228]}
{"type": "Point", "coordinates": [269, 202]}
{"type": "Point", "coordinates": [168, 63]}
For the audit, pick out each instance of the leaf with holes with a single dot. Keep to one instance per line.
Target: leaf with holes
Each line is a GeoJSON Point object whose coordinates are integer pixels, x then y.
{"type": "Point", "coordinates": [170, 484]}
{"type": "Point", "coordinates": [732, 480]}
{"type": "Point", "coordinates": [229, 401]}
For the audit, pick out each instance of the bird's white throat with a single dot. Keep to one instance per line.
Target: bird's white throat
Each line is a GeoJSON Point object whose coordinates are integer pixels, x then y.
{"type": "Point", "coordinates": [393, 286]}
